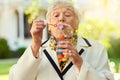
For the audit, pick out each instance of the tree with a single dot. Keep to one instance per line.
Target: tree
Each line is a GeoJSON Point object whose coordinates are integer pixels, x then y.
{"type": "Point", "coordinates": [33, 10]}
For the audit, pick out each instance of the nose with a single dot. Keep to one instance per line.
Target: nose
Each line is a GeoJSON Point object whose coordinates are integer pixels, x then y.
{"type": "Point", "coordinates": [61, 18]}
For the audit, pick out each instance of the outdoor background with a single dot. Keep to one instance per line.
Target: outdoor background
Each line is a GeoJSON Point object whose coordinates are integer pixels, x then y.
{"type": "Point", "coordinates": [100, 20]}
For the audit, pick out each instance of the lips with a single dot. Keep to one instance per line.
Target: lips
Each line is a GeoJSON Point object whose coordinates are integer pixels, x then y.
{"type": "Point", "coordinates": [61, 26]}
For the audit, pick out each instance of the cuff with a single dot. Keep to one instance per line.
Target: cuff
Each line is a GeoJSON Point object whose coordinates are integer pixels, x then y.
{"type": "Point", "coordinates": [28, 56]}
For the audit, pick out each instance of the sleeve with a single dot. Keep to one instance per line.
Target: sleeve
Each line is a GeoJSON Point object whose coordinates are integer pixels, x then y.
{"type": "Point", "coordinates": [101, 72]}
{"type": "Point", "coordinates": [26, 67]}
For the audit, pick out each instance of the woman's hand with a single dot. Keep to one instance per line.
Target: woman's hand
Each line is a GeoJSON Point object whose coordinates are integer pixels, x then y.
{"type": "Point", "coordinates": [36, 33]}
{"type": "Point", "coordinates": [70, 51]}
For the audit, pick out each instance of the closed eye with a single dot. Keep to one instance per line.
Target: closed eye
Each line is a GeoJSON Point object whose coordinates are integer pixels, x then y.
{"type": "Point", "coordinates": [56, 15]}
{"type": "Point", "coordinates": [67, 14]}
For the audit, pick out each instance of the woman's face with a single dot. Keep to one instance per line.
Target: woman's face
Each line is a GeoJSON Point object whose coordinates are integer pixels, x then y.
{"type": "Point", "coordinates": [61, 14]}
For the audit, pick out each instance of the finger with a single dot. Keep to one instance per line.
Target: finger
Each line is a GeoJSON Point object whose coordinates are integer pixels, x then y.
{"type": "Point", "coordinates": [62, 50]}
{"type": "Point", "coordinates": [38, 23]}
{"type": "Point", "coordinates": [40, 26]}
{"type": "Point", "coordinates": [71, 53]}
{"type": "Point", "coordinates": [64, 44]}
{"type": "Point", "coordinates": [36, 30]}
{"type": "Point", "coordinates": [67, 52]}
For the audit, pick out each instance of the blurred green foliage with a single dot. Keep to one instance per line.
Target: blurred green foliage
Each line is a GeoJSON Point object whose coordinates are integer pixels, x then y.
{"type": "Point", "coordinates": [20, 51]}
{"type": "Point", "coordinates": [5, 51]}
{"type": "Point", "coordinates": [107, 33]}
{"type": "Point", "coordinates": [115, 48]}
{"type": "Point", "coordinates": [33, 10]}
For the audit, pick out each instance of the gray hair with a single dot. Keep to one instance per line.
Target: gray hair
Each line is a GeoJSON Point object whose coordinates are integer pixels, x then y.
{"type": "Point", "coordinates": [65, 3]}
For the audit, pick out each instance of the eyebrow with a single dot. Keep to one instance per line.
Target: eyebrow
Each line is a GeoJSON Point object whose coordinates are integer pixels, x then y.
{"type": "Point", "coordinates": [70, 9]}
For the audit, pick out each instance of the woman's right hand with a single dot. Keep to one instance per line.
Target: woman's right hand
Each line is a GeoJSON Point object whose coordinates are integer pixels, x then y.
{"type": "Point", "coordinates": [36, 33]}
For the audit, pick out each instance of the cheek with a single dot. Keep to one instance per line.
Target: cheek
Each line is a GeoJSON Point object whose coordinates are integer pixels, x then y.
{"type": "Point", "coordinates": [53, 21]}
{"type": "Point", "coordinates": [55, 32]}
{"type": "Point", "coordinates": [52, 29]}
{"type": "Point", "coordinates": [72, 22]}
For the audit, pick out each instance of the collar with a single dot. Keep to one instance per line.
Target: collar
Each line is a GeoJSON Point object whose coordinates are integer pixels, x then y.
{"type": "Point", "coordinates": [83, 42]}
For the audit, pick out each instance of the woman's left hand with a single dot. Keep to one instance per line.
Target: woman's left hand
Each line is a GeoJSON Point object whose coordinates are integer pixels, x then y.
{"type": "Point", "coordinates": [70, 51]}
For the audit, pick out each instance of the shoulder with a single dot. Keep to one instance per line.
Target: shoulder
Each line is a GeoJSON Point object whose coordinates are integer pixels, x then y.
{"type": "Point", "coordinates": [93, 43]}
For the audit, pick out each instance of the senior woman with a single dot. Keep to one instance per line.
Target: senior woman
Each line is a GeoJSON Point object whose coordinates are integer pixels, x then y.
{"type": "Point", "coordinates": [64, 56]}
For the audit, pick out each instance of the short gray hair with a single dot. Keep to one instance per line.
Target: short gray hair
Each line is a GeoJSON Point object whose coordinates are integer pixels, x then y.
{"type": "Point", "coordinates": [65, 3]}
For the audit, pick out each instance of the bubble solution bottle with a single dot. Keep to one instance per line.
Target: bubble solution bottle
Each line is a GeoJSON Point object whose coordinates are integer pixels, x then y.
{"type": "Point", "coordinates": [60, 54]}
